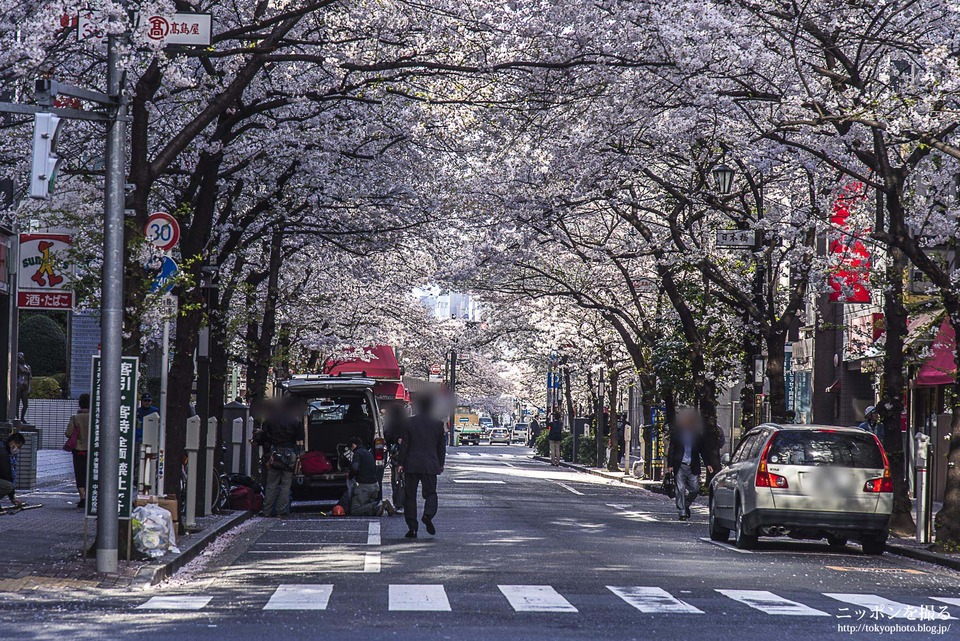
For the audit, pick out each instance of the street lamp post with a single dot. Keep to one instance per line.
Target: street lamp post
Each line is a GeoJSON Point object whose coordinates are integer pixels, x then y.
{"type": "Point", "coordinates": [601, 449]}
{"type": "Point", "coordinates": [723, 177]}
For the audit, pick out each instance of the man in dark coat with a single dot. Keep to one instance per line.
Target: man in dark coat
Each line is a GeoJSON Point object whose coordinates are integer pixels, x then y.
{"type": "Point", "coordinates": [9, 447]}
{"type": "Point", "coordinates": [423, 452]}
{"type": "Point", "coordinates": [683, 458]}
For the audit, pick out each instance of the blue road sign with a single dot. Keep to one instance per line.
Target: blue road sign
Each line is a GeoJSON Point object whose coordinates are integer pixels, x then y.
{"type": "Point", "coordinates": [163, 279]}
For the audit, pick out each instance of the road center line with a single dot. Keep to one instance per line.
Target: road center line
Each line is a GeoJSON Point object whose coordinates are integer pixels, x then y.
{"type": "Point", "coordinates": [373, 534]}
{"type": "Point", "coordinates": [371, 562]}
{"type": "Point", "coordinates": [570, 489]}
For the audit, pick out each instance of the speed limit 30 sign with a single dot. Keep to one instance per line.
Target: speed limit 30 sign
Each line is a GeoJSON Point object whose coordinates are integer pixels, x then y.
{"type": "Point", "coordinates": [162, 231]}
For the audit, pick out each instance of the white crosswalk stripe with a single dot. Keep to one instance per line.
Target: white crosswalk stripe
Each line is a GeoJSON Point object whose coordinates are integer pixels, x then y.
{"type": "Point", "coordinates": [771, 603]}
{"type": "Point", "coordinates": [300, 596]}
{"type": "Point", "coordinates": [418, 598]}
{"type": "Point", "coordinates": [535, 598]}
{"type": "Point", "coordinates": [545, 598]}
{"type": "Point", "coordinates": [653, 600]}
{"type": "Point", "coordinates": [176, 602]}
{"type": "Point", "coordinates": [890, 609]}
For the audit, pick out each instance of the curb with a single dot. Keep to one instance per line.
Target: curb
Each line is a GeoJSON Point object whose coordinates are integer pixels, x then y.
{"type": "Point", "coordinates": [924, 555]}
{"type": "Point", "coordinates": [153, 574]}
{"type": "Point", "coordinates": [633, 482]}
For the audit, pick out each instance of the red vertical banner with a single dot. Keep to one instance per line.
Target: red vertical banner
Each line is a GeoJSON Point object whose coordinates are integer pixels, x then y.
{"type": "Point", "coordinates": [850, 278]}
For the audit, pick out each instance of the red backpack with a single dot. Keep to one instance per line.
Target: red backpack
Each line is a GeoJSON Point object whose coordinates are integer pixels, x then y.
{"type": "Point", "coordinates": [312, 463]}
{"type": "Point", "coordinates": [245, 498]}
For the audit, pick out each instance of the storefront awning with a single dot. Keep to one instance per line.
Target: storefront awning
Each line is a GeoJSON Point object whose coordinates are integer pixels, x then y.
{"type": "Point", "coordinates": [940, 368]}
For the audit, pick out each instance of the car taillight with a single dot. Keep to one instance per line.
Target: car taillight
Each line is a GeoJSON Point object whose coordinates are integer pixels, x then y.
{"type": "Point", "coordinates": [765, 478]}
{"type": "Point", "coordinates": [885, 482]}
{"type": "Point", "coordinates": [882, 484]}
{"type": "Point", "coordinates": [379, 452]}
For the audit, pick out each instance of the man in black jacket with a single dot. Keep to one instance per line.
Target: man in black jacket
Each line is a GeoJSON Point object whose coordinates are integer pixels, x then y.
{"type": "Point", "coordinates": [422, 455]}
{"type": "Point", "coordinates": [683, 458]}
{"type": "Point", "coordinates": [9, 447]}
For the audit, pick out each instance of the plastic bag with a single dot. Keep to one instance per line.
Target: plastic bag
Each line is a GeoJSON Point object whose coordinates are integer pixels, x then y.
{"type": "Point", "coordinates": [153, 531]}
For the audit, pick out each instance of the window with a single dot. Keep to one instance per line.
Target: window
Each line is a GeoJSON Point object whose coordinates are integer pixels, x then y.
{"type": "Point", "coordinates": [758, 446]}
{"type": "Point", "coordinates": [827, 449]}
{"type": "Point", "coordinates": [743, 450]}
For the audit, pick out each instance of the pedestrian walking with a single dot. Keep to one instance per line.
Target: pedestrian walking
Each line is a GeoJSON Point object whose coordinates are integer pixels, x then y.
{"type": "Point", "coordinates": [534, 432]}
{"type": "Point", "coordinates": [684, 456]}
{"type": "Point", "coordinates": [283, 431]}
{"type": "Point", "coordinates": [9, 447]}
{"type": "Point", "coordinates": [423, 452]}
{"type": "Point", "coordinates": [78, 435]}
{"type": "Point", "coordinates": [556, 438]}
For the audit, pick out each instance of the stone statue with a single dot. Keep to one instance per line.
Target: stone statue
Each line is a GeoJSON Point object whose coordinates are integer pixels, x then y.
{"type": "Point", "coordinates": [24, 380]}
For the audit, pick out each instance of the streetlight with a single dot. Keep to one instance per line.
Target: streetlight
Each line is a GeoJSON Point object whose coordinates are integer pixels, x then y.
{"type": "Point", "coordinates": [723, 178]}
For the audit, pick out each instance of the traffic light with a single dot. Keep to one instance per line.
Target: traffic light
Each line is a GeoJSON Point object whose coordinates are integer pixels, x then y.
{"type": "Point", "coordinates": [46, 130]}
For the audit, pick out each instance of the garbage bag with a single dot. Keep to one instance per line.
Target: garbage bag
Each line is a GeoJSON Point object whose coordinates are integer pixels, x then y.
{"type": "Point", "coordinates": [153, 531]}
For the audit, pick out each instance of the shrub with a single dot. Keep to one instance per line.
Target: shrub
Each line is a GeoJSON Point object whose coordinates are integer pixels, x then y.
{"type": "Point", "coordinates": [542, 444]}
{"type": "Point", "coordinates": [45, 387]}
{"type": "Point", "coordinates": [61, 380]}
{"type": "Point", "coordinates": [44, 345]}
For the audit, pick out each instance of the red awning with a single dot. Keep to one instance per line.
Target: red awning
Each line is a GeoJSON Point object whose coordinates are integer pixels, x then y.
{"type": "Point", "coordinates": [389, 390]}
{"type": "Point", "coordinates": [372, 362]}
{"type": "Point", "coordinates": [940, 368]}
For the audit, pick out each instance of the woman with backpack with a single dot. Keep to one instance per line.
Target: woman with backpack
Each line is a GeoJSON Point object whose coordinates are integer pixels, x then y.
{"type": "Point", "coordinates": [78, 434]}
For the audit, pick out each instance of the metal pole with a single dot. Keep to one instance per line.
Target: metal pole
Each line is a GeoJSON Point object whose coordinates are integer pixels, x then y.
{"type": "Point", "coordinates": [13, 322]}
{"type": "Point", "coordinates": [111, 337]}
{"type": "Point", "coordinates": [164, 373]}
{"type": "Point", "coordinates": [453, 394]}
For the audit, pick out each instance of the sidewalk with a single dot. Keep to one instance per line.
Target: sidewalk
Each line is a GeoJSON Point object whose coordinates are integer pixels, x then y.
{"type": "Point", "coordinates": [895, 545]}
{"type": "Point", "coordinates": [42, 547]}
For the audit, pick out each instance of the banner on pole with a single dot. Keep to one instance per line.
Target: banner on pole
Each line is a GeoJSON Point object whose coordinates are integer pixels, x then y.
{"type": "Point", "coordinates": [129, 369]}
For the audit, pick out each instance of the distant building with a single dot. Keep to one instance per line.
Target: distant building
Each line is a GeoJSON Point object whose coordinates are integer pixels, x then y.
{"type": "Point", "coordinates": [452, 305]}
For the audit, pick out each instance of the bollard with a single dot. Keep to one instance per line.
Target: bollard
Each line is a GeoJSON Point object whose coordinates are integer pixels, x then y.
{"type": "Point", "coordinates": [192, 447]}
{"type": "Point", "coordinates": [237, 441]}
{"type": "Point", "coordinates": [151, 442]}
{"type": "Point", "coordinates": [921, 458]}
{"type": "Point", "coordinates": [211, 480]}
{"type": "Point", "coordinates": [248, 449]}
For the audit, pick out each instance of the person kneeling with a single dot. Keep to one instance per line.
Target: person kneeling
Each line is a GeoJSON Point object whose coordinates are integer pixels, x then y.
{"type": "Point", "coordinates": [363, 491]}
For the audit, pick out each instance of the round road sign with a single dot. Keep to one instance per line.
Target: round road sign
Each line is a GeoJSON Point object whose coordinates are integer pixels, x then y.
{"type": "Point", "coordinates": [162, 230]}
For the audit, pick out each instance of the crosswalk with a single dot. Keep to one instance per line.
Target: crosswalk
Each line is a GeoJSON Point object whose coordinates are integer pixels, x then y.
{"type": "Point", "coordinates": [547, 599]}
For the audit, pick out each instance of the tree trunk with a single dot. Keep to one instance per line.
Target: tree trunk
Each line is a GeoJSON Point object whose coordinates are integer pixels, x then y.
{"type": "Point", "coordinates": [260, 344]}
{"type": "Point", "coordinates": [613, 464]}
{"type": "Point", "coordinates": [776, 355]}
{"type": "Point", "coordinates": [891, 401]}
{"type": "Point", "coordinates": [947, 521]}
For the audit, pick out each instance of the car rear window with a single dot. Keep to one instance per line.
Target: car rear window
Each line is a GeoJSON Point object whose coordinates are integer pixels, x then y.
{"type": "Point", "coordinates": [830, 449]}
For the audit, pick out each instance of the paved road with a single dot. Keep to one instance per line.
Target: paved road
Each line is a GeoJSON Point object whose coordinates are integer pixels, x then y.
{"type": "Point", "coordinates": [524, 551]}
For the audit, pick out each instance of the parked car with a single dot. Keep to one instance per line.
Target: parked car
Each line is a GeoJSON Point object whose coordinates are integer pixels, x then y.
{"type": "Point", "coordinates": [806, 482]}
{"type": "Point", "coordinates": [499, 435]}
{"type": "Point", "coordinates": [338, 408]}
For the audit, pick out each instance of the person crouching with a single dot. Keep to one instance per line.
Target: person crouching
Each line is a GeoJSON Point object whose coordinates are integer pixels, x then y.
{"type": "Point", "coordinates": [363, 491]}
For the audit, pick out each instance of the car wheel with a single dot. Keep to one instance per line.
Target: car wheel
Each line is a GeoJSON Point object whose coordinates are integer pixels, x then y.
{"type": "Point", "coordinates": [836, 542]}
{"type": "Point", "coordinates": [743, 540]}
{"type": "Point", "coordinates": [874, 545]}
{"type": "Point", "coordinates": [717, 532]}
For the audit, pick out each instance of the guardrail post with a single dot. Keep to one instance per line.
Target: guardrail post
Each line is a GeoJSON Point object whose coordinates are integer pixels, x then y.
{"type": "Point", "coordinates": [192, 447]}
{"type": "Point", "coordinates": [237, 440]}
{"type": "Point", "coordinates": [148, 453]}
{"type": "Point", "coordinates": [211, 480]}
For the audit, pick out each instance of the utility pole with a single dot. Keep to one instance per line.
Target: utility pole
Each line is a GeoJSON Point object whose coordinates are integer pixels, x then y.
{"type": "Point", "coordinates": [111, 336]}
{"type": "Point", "coordinates": [601, 448]}
{"type": "Point", "coordinates": [453, 395]}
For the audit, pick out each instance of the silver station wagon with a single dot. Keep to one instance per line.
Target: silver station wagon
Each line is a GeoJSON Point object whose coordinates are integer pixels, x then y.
{"type": "Point", "coordinates": [805, 482]}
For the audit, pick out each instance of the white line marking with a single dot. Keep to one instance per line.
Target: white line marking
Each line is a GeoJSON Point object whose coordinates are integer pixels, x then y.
{"type": "Point", "coordinates": [771, 603]}
{"type": "Point", "coordinates": [535, 598]}
{"type": "Point", "coordinates": [300, 596]}
{"type": "Point", "coordinates": [618, 506]}
{"type": "Point", "coordinates": [175, 603]}
{"type": "Point", "coordinates": [892, 609]}
{"type": "Point", "coordinates": [725, 546]}
{"type": "Point", "coordinates": [418, 598]}
{"type": "Point", "coordinates": [947, 600]}
{"type": "Point", "coordinates": [570, 489]}
{"type": "Point", "coordinates": [653, 600]}
{"type": "Point", "coordinates": [373, 534]}
{"type": "Point", "coordinates": [371, 562]}
{"type": "Point", "coordinates": [479, 482]}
